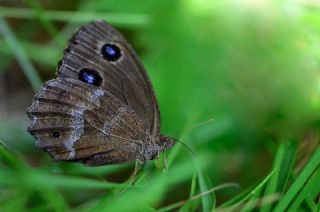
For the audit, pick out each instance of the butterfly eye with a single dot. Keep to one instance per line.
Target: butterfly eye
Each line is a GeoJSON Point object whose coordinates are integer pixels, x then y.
{"type": "Point", "coordinates": [56, 134]}
{"type": "Point", "coordinates": [111, 52]}
{"type": "Point", "coordinates": [90, 77]}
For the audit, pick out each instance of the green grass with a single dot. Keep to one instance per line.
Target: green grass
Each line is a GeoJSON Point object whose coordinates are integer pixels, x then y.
{"type": "Point", "coordinates": [120, 19]}
{"type": "Point", "coordinates": [238, 84]}
{"type": "Point", "coordinates": [21, 56]}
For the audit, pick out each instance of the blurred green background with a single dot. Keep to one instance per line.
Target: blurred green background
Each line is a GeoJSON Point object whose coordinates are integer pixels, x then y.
{"type": "Point", "coordinates": [249, 71]}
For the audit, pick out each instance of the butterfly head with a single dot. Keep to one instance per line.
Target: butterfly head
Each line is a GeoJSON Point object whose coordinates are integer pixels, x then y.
{"type": "Point", "coordinates": [166, 142]}
{"type": "Point", "coordinates": [154, 147]}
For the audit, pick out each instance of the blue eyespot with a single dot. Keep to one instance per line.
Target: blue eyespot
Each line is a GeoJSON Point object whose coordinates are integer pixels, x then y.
{"type": "Point", "coordinates": [90, 77]}
{"type": "Point", "coordinates": [111, 52]}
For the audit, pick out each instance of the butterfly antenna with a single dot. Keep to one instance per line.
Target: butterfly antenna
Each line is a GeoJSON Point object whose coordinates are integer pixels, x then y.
{"type": "Point", "coordinates": [191, 128]}
{"type": "Point", "coordinates": [186, 146]}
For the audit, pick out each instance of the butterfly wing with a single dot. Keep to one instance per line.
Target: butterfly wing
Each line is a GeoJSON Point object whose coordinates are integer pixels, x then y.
{"type": "Point", "coordinates": [75, 121]}
{"type": "Point", "coordinates": [124, 78]}
{"type": "Point", "coordinates": [100, 109]}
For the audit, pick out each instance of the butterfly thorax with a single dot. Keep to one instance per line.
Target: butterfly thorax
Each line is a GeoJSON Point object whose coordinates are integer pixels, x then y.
{"type": "Point", "coordinates": [152, 147]}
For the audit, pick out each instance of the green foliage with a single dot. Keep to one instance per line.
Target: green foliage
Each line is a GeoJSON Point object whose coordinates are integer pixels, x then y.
{"type": "Point", "coordinates": [250, 68]}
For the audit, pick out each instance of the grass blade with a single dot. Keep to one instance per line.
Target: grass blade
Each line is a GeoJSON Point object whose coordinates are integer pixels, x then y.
{"type": "Point", "coordinates": [299, 182]}
{"type": "Point", "coordinates": [283, 166]}
{"type": "Point", "coordinates": [119, 19]}
{"type": "Point", "coordinates": [310, 190]}
{"type": "Point", "coordinates": [244, 197]}
{"type": "Point", "coordinates": [192, 205]}
{"type": "Point", "coordinates": [41, 16]}
{"type": "Point", "coordinates": [208, 201]}
{"type": "Point", "coordinates": [286, 165]}
{"type": "Point", "coordinates": [21, 56]}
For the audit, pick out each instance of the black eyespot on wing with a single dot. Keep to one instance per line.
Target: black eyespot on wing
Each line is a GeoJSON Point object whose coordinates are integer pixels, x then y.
{"type": "Point", "coordinates": [111, 52]}
{"type": "Point", "coordinates": [56, 134]}
{"type": "Point", "coordinates": [90, 77]}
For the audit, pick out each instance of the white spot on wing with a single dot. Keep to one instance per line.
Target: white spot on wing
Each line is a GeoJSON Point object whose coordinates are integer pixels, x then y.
{"type": "Point", "coordinates": [98, 92]}
{"type": "Point", "coordinates": [34, 120]}
{"type": "Point", "coordinates": [75, 134]}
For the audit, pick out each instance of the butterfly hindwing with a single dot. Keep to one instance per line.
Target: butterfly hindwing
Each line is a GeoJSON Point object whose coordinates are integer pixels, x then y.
{"type": "Point", "coordinates": [76, 121]}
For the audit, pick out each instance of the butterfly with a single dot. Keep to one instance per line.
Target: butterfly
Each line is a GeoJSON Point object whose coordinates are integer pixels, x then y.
{"type": "Point", "coordinates": [101, 109]}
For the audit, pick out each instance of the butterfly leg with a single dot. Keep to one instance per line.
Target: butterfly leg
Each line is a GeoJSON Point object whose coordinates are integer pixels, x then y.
{"type": "Point", "coordinates": [165, 162]}
{"type": "Point", "coordinates": [136, 168]}
{"type": "Point", "coordinates": [161, 162]}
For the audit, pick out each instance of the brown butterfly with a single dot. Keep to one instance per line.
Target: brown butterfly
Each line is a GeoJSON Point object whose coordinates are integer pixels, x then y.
{"type": "Point", "coordinates": [101, 109]}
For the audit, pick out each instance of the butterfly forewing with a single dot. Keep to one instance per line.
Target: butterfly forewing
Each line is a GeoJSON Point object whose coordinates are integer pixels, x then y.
{"type": "Point", "coordinates": [124, 78]}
